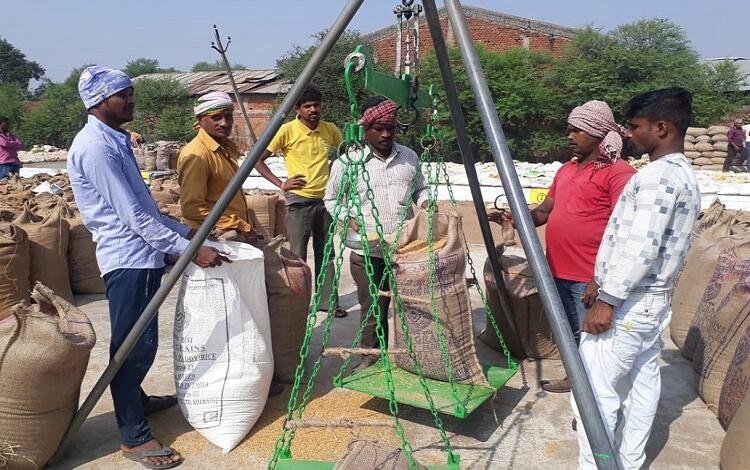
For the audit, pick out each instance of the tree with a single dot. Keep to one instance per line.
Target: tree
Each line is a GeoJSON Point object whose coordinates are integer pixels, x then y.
{"type": "Point", "coordinates": [142, 66]}
{"type": "Point", "coordinates": [217, 66]}
{"type": "Point", "coordinates": [15, 68]}
{"type": "Point", "coordinates": [11, 102]}
{"type": "Point", "coordinates": [163, 110]}
{"type": "Point", "coordinates": [637, 57]}
{"type": "Point", "coordinates": [330, 76]}
{"type": "Point", "coordinates": [57, 116]}
{"type": "Point", "coordinates": [526, 105]}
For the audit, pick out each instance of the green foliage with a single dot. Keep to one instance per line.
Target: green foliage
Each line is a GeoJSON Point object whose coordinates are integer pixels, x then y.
{"type": "Point", "coordinates": [11, 102]}
{"type": "Point", "coordinates": [330, 76]}
{"type": "Point", "coordinates": [641, 56]}
{"type": "Point", "coordinates": [15, 68]}
{"type": "Point", "coordinates": [526, 105]}
{"type": "Point", "coordinates": [217, 66]}
{"type": "Point", "coordinates": [56, 118]}
{"type": "Point", "coordinates": [142, 66]}
{"type": "Point", "coordinates": [163, 110]}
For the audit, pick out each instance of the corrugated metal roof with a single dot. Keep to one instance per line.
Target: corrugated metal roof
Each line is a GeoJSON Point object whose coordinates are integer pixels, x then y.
{"type": "Point", "coordinates": [742, 63]}
{"type": "Point", "coordinates": [248, 81]}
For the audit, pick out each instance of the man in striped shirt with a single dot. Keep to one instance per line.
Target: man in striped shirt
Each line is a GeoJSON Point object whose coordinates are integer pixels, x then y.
{"type": "Point", "coordinates": [644, 244]}
{"type": "Point", "coordinates": [396, 184]}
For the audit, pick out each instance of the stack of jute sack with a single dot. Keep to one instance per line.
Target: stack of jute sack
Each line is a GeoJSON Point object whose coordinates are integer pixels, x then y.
{"type": "Point", "coordinates": [43, 239]}
{"type": "Point", "coordinates": [711, 321]}
{"type": "Point", "coordinates": [534, 332]}
{"type": "Point", "coordinates": [44, 351]}
{"type": "Point", "coordinates": [707, 147]}
{"type": "Point", "coordinates": [159, 156]}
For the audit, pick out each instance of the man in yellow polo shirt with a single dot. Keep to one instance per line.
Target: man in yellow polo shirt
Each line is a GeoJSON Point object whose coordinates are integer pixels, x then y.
{"type": "Point", "coordinates": [307, 144]}
{"type": "Point", "coordinates": [207, 164]}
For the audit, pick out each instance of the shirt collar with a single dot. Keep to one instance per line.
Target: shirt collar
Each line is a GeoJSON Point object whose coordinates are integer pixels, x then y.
{"type": "Point", "coordinates": [303, 127]}
{"type": "Point", "coordinates": [212, 145]}
{"type": "Point", "coordinates": [121, 136]}
{"type": "Point", "coordinates": [394, 153]}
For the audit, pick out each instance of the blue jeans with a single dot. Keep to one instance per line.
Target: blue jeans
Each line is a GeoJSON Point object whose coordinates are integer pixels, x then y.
{"type": "Point", "coordinates": [7, 169]}
{"type": "Point", "coordinates": [128, 292]}
{"type": "Point", "coordinates": [570, 294]}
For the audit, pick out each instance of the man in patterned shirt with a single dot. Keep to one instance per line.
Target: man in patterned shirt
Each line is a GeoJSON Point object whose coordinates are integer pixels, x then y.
{"type": "Point", "coordinates": [396, 183]}
{"type": "Point", "coordinates": [643, 247]}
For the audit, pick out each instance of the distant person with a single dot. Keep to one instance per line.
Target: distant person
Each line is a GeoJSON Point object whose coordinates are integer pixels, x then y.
{"type": "Point", "coordinates": [746, 130]}
{"type": "Point", "coordinates": [736, 148]}
{"type": "Point", "coordinates": [131, 238]}
{"type": "Point", "coordinates": [392, 169]}
{"type": "Point", "coordinates": [576, 210]}
{"type": "Point", "coordinates": [9, 147]}
{"type": "Point", "coordinates": [644, 245]}
{"type": "Point", "coordinates": [307, 144]}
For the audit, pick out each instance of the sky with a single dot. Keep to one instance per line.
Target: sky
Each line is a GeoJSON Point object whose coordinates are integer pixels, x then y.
{"type": "Point", "coordinates": [64, 34]}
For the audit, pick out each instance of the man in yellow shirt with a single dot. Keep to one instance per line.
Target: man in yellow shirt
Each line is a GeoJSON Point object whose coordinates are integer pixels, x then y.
{"type": "Point", "coordinates": [207, 164]}
{"type": "Point", "coordinates": [307, 144]}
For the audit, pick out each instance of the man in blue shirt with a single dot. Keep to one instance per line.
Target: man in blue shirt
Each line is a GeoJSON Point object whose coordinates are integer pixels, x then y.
{"type": "Point", "coordinates": [131, 237]}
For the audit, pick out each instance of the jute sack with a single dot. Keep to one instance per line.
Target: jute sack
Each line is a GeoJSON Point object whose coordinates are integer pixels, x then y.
{"type": "Point", "coordinates": [373, 455]}
{"type": "Point", "coordinates": [85, 277]}
{"type": "Point", "coordinates": [717, 130]}
{"type": "Point", "coordinates": [719, 138]}
{"type": "Point", "coordinates": [693, 154]}
{"type": "Point", "coordinates": [723, 312]}
{"type": "Point", "coordinates": [703, 138]}
{"type": "Point", "coordinates": [163, 157]}
{"type": "Point", "coordinates": [702, 161]}
{"type": "Point", "coordinates": [737, 382]}
{"type": "Point", "coordinates": [704, 147]}
{"type": "Point", "coordinates": [261, 212]}
{"type": "Point", "coordinates": [149, 160]}
{"type": "Point", "coordinates": [735, 451]}
{"type": "Point", "coordinates": [411, 268]}
{"type": "Point", "coordinates": [685, 296]}
{"type": "Point", "coordinates": [14, 267]}
{"type": "Point", "coordinates": [44, 351]}
{"type": "Point", "coordinates": [696, 131]}
{"type": "Point", "coordinates": [289, 288]}
{"type": "Point", "coordinates": [48, 243]}
{"type": "Point", "coordinates": [163, 191]}
{"type": "Point", "coordinates": [717, 160]}
{"type": "Point", "coordinates": [535, 338]}
{"type": "Point", "coordinates": [715, 167]}
{"type": "Point", "coordinates": [16, 199]}
{"type": "Point", "coordinates": [718, 154]}
{"type": "Point", "coordinates": [689, 147]}
{"type": "Point", "coordinates": [721, 146]}
{"type": "Point", "coordinates": [280, 224]}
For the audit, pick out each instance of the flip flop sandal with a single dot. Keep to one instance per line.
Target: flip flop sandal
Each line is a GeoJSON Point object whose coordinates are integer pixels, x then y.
{"type": "Point", "coordinates": [340, 312]}
{"type": "Point", "coordinates": [554, 386]}
{"type": "Point", "coordinates": [155, 404]}
{"type": "Point", "coordinates": [142, 455]}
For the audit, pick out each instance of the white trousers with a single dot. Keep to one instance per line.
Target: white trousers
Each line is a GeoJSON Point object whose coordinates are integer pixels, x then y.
{"type": "Point", "coordinates": [622, 365]}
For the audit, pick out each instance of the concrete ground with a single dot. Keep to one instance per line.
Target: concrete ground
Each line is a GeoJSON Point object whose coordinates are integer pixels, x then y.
{"type": "Point", "coordinates": [522, 427]}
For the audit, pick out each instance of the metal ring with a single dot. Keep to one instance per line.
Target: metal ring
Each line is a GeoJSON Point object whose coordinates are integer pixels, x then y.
{"type": "Point", "coordinates": [414, 116]}
{"type": "Point", "coordinates": [359, 57]}
{"type": "Point", "coordinates": [496, 204]}
{"type": "Point", "coordinates": [432, 142]}
{"type": "Point", "coordinates": [346, 155]}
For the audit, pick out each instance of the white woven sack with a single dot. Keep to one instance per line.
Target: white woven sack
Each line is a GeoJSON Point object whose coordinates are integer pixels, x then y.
{"type": "Point", "coordinates": [222, 346]}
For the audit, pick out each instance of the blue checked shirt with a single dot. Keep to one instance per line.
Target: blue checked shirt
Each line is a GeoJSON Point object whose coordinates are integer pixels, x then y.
{"type": "Point", "coordinates": [648, 234]}
{"type": "Point", "coordinates": [115, 203]}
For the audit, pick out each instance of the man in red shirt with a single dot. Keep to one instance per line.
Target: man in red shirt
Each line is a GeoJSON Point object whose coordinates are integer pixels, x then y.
{"type": "Point", "coordinates": [577, 208]}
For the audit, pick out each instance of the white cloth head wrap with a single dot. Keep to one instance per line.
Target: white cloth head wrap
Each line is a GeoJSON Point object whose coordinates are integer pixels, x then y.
{"type": "Point", "coordinates": [214, 101]}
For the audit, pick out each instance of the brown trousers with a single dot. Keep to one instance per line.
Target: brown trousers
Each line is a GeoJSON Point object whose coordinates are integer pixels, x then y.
{"type": "Point", "coordinates": [357, 267]}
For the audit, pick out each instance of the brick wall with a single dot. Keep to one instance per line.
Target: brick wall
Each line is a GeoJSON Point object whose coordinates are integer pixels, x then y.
{"type": "Point", "coordinates": [259, 109]}
{"type": "Point", "coordinates": [494, 36]}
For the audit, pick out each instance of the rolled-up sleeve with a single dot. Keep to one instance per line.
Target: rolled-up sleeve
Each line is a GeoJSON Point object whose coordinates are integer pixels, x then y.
{"type": "Point", "coordinates": [107, 178]}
